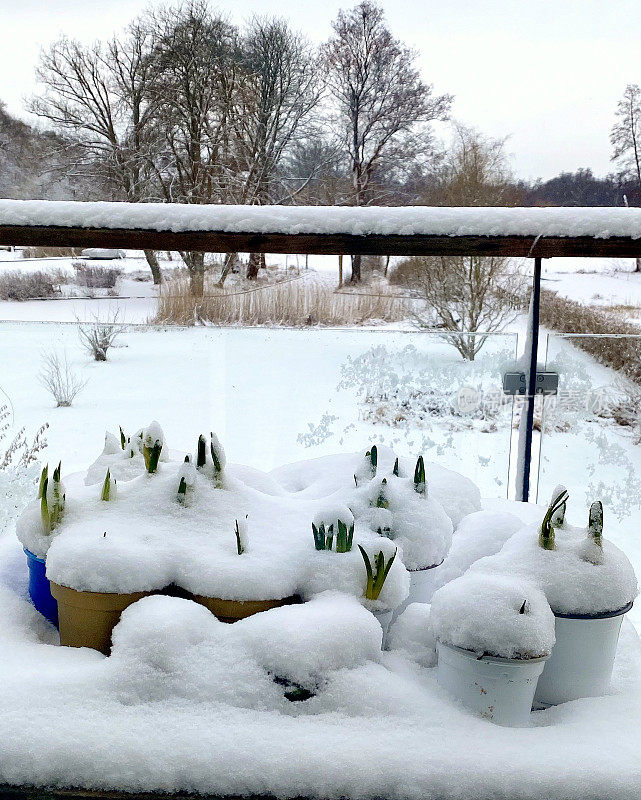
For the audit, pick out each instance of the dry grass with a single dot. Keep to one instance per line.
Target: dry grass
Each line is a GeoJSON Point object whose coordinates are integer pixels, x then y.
{"type": "Point", "coordinates": [51, 252]}
{"type": "Point", "coordinates": [295, 303]}
{"type": "Point", "coordinates": [622, 353]}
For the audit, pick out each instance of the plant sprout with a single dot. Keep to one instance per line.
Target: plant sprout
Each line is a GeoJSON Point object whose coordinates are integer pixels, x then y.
{"type": "Point", "coordinates": [395, 471]}
{"type": "Point", "coordinates": [218, 457]}
{"type": "Point", "coordinates": [546, 533]}
{"type": "Point", "coordinates": [381, 500]}
{"type": "Point", "coordinates": [595, 523]}
{"type": "Point", "coordinates": [376, 577]}
{"type": "Point", "coordinates": [186, 483]}
{"type": "Point", "coordinates": [323, 538]}
{"type": "Point", "coordinates": [44, 475]}
{"type": "Point", "coordinates": [152, 443]}
{"type": "Point", "coordinates": [344, 537]}
{"type": "Point", "coordinates": [241, 535]}
{"type": "Point", "coordinates": [419, 477]}
{"type": "Point", "coordinates": [52, 500]}
{"type": "Point", "coordinates": [108, 488]}
{"type": "Point", "coordinates": [201, 454]}
{"type": "Point", "coordinates": [123, 439]}
{"type": "Point", "coordinates": [558, 518]}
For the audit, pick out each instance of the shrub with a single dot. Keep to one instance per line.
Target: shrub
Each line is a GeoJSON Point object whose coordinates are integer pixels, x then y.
{"type": "Point", "coordinates": [59, 379]}
{"type": "Point", "coordinates": [96, 277]}
{"type": "Point", "coordinates": [28, 285]}
{"type": "Point", "coordinates": [622, 353]}
{"type": "Point", "coordinates": [98, 336]}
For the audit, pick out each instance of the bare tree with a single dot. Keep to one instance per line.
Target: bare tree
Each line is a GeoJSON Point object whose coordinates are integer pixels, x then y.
{"type": "Point", "coordinates": [469, 296]}
{"type": "Point", "coordinates": [98, 98]}
{"type": "Point", "coordinates": [383, 105]}
{"type": "Point", "coordinates": [197, 89]}
{"type": "Point", "coordinates": [59, 379]}
{"type": "Point", "coordinates": [625, 135]}
{"type": "Point", "coordinates": [284, 88]}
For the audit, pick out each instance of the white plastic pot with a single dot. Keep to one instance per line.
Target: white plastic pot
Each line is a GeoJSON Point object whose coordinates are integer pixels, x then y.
{"type": "Point", "coordinates": [582, 658]}
{"type": "Point", "coordinates": [421, 589]}
{"type": "Point", "coordinates": [384, 618]}
{"type": "Point", "coordinates": [499, 689]}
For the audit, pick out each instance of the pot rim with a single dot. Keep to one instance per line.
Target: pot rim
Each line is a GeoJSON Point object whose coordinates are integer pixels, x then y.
{"type": "Point", "coordinates": [485, 657]}
{"type": "Point", "coordinates": [29, 554]}
{"type": "Point", "coordinates": [602, 615]}
{"type": "Point", "coordinates": [422, 569]}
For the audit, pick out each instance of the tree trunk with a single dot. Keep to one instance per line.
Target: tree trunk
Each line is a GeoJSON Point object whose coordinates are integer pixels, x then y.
{"type": "Point", "coordinates": [150, 255]}
{"type": "Point", "coordinates": [230, 260]}
{"type": "Point", "coordinates": [356, 269]}
{"type": "Point", "coordinates": [196, 267]}
{"type": "Point", "coordinates": [253, 266]}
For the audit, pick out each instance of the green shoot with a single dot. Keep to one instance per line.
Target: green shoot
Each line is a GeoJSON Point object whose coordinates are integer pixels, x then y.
{"type": "Point", "coordinates": [241, 535]}
{"type": "Point", "coordinates": [123, 439]}
{"type": "Point", "coordinates": [419, 477]}
{"type": "Point", "coordinates": [344, 537]}
{"type": "Point", "coordinates": [381, 500]}
{"type": "Point", "coordinates": [182, 492]}
{"type": "Point", "coordinates": [52, 501]}
{"type": "Point", "coordinates": [44, 475]}
{"type": "Point", "coordinates": [395, 470]}
{"type": "Point", "coordinates": [373, 460]}
{"type": "Point", "coordinates": [546, 533]}
{"type": "Point", "coordinates": [376, 577]}
{"type": "Point", "coordinates": [323, 538]}
{"type": "Point", "coordinates": [201, 456]}
{"type": "Point", "coordinates": [595, 523]}
{"type": "Point", "coordinates": [107, 488]}
{"type": "Point", "coordinates": [45, 516]}
{"type": "Point", "coordinates": [152, 457]}
{"type": "Point", "coordinates": [218, 457]}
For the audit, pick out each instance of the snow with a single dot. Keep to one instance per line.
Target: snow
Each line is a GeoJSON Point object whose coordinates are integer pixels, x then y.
{"type": "Point", "coordinates": [148, 537]}
{"type": "Point", "coordinates": [568, 575]}
{"type": "Point", "coordinates": [495, 615]}
{"type": "Point", "coordinates": [412, 635]}
{"type": "Point", "coordinates": [187, 703]}
{"type": "Point", "coordinates": [594, 222]}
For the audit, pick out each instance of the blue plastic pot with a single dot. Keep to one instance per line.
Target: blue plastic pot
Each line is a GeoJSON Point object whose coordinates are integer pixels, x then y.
{"type": "Point", "coordinates": [39, 589]}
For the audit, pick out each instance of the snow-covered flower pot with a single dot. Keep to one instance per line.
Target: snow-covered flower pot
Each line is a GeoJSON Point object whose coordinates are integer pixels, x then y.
{"type": "Point", "coordinates": [498, 689]}
{"type": "Point", "coordinates": [86, 619]}
{"type": "Point", "coordinates": [233, 610]}
{"type": "Point", "coordinates": [494, 635]}
{"type": "Point", "coordinates": [582, 658]}
{"type": "Point", "coordinates": [589, 584]}
{"type": "Point", "coordinates": [39, 587]}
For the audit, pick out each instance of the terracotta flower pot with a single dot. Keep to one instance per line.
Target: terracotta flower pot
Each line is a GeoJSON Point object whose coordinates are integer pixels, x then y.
{"type": "Point", "coordinates": [88, 618]}
{"type": "Point", "coordinates": [233, 610]}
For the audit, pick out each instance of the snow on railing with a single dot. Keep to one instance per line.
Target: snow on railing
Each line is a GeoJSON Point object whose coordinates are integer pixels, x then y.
{"type": "Point", "coordinates": [599, 223]}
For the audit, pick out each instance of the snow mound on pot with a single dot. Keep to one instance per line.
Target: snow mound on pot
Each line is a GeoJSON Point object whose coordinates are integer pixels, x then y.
{"type": "Point", "coordinates": [480, 534]}
{"type": "Point", "coordinates": [167, 647]}
{"type": "Point", "coordinates": [302, 643]}
{"type": "Point", "coordinates": [320, 477]}
{"type": "Point", "coordinates": [415, 522]}
{"type": "Point", "coordinates": [345, 572]}
{"type": "Point", "coordinates": [495, 615]}
{"type": "Point", "coordinates": [413, 636]}
{"type": "Point", "coordinates": [575, 578]}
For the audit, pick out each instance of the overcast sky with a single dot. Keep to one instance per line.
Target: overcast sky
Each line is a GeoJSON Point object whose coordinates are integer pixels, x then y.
{"type": "Point", "coordinates": [548, 73]}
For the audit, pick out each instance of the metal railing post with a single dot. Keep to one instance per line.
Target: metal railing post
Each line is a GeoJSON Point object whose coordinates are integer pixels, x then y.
{"type": "Point", "coordinates": [533, 341]}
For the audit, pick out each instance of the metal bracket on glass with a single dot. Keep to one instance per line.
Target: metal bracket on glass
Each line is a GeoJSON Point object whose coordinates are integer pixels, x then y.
{"type": "Point", "coordinates": [547, 383]}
